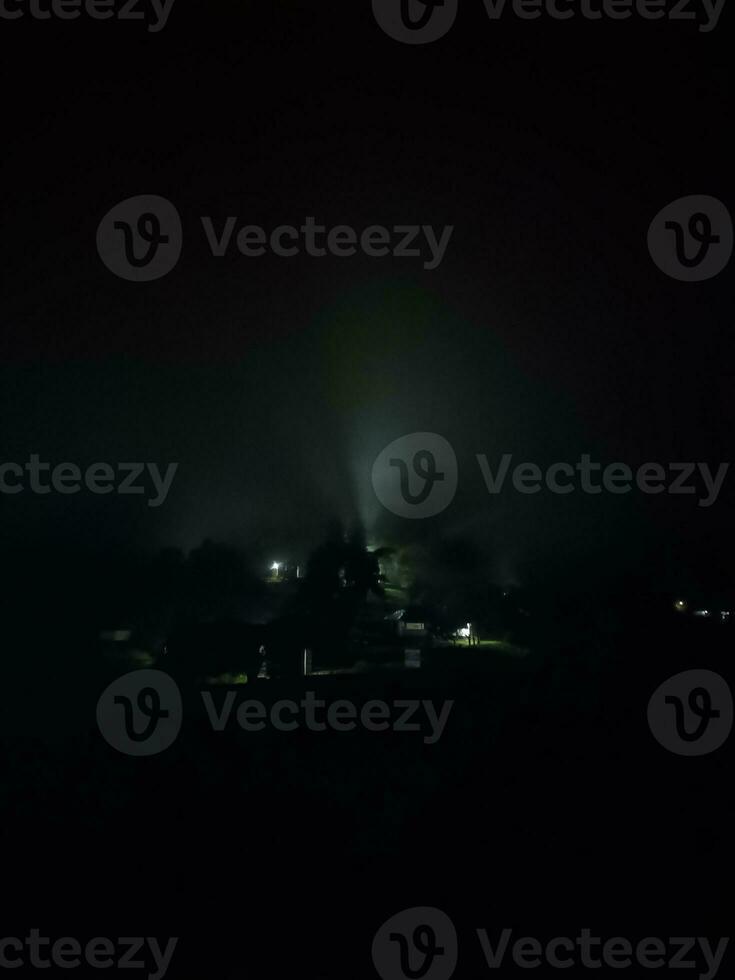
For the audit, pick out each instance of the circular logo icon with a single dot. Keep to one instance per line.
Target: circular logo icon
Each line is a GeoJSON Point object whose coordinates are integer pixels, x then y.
{"type": "Point", "coordinates": [141, 712]}
{"type": "Point", "coordinates": [416, 475]}
{"type": "Point", "coordinates": [691, 713]}
{"type": "Point", "coordinates": [415, 21]}
{"type": "Point", "coordinates": [140, 239]}
{"type": "Point", "coordinates": [420, 942]}
{"type": "Point", "coordinates": [691, 238]}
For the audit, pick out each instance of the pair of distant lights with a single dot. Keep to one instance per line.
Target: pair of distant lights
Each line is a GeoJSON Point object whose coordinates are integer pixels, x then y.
{"type": "Point", "coordinates": [681, 606]}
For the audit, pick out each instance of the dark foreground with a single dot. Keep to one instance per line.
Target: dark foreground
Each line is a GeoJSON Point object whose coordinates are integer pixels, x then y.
{"type": "Point", "coordinates": [546, 805]}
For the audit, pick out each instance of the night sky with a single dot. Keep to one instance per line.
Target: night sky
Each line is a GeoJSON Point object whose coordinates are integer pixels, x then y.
{"type": "Point", "coordinates": [547, 331]}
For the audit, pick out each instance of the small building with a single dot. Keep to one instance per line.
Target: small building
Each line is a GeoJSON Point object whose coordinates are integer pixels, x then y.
{"type": "Point", "coordinates": [410, 623]}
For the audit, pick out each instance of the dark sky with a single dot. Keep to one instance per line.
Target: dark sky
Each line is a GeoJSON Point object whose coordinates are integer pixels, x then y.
{"type": "Point", "coordinates": [547, 331]}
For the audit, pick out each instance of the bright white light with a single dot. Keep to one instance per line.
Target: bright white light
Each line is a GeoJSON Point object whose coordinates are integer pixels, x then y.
{"type": "Point", "coordinates": [464, 631]}
{"type": "Point", "coordinates": [275, 567]}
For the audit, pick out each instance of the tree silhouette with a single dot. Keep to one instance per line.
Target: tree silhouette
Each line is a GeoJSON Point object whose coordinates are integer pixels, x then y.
{"type": "Point", "coordinates": [341, 573]}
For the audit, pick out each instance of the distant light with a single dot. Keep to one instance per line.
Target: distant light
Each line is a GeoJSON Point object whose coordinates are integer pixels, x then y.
{"type": "Point", "coordinates": [701, 612]}
{"type": "Point", "coordinates": [680, 605]}
{"type": "Point", "coordinates": [464, 631]}
{"type": "Point", "coordinates": [116, 636]}
{"type": "Point", "coordinates": [276, 566]}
